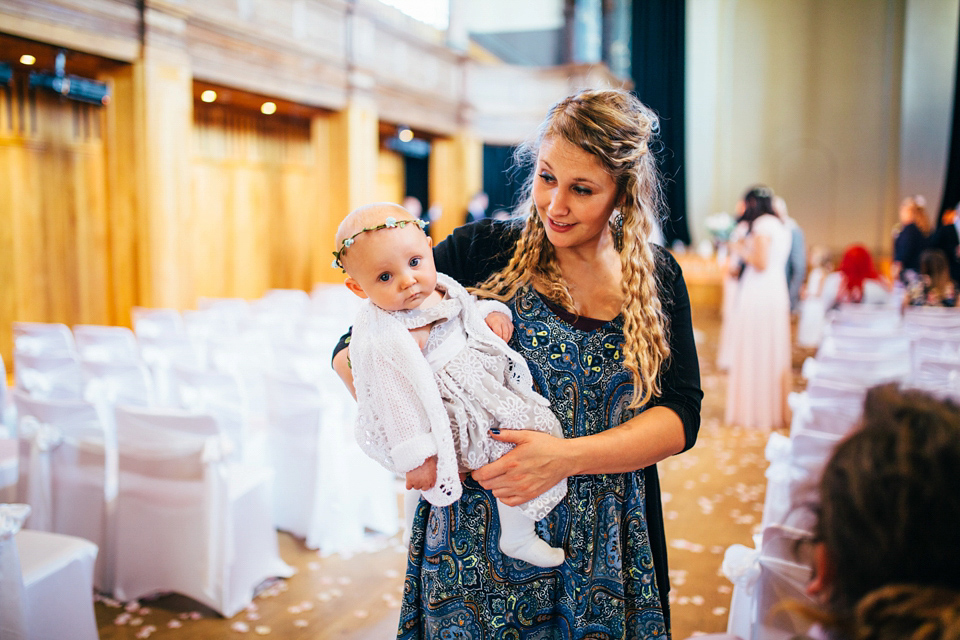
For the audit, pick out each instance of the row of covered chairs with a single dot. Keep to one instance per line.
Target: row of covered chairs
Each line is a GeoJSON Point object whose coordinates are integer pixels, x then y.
{"type": "Point", "coordinates": [861, 346]}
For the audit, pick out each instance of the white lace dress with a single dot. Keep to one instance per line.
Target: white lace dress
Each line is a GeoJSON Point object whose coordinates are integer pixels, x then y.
{"type": "Point", "coordinates": [481, 383]}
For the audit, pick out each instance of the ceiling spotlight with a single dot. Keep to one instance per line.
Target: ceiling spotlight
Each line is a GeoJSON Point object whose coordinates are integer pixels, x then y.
{"type": "Point", "coordinates": [268, 108]}
{"type": "Point", "coordinates": [405, 134]}
{"type": "Point", "coordinates": [209, 95]}
{"type": "Point", "coordinates": [27, 59]}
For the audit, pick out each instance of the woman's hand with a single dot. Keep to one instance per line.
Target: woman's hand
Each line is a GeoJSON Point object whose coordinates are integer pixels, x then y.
{"type": "Point", "coordinates": [534, 465]}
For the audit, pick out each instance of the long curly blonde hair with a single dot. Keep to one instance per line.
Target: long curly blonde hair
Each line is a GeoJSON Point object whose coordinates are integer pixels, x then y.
{"type": "Point", "coordinates": [617, 129]}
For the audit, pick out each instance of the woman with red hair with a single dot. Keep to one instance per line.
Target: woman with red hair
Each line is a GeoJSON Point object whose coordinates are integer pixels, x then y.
{"type": "Point", "coordinates": [859, 280]}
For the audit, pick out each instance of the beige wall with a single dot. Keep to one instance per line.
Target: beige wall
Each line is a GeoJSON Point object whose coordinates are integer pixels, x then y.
{"type": "Point", "coordinates": [806, 96]}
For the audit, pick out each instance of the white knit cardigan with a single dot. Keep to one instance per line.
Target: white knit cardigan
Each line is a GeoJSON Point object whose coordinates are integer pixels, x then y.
{"type": "Point", "coordinates": [401, 420]}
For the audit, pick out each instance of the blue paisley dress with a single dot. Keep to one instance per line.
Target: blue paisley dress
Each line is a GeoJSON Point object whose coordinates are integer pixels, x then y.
{"type": "Point", "coordinates": [458, 584]}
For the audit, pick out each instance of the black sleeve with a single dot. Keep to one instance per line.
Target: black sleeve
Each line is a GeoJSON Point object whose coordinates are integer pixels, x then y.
{"type": "Point", "coordinates": [471, 254]}
{"type": "Point", "coordinates": [475, 251]}
{"type": "Point", "coordinates": [680, 377]}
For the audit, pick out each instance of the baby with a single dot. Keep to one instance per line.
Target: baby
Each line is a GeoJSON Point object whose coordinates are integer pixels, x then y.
{"type": "Point", "coordinates": [431, 377]}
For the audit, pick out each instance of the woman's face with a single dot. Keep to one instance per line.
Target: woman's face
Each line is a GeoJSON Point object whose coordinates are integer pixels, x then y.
{"type": "Point", "coordinates": [573, 193]}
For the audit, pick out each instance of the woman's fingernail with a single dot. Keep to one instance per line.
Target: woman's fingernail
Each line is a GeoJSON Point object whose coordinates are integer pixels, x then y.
{"type": "Point", "coordinates": [495, 431]}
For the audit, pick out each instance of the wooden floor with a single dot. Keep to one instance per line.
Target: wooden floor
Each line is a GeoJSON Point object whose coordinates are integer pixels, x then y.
{"type": "Point", "coordinates": [713, 497]}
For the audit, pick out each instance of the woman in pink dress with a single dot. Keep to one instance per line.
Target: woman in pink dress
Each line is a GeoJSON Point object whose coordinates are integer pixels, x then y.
{"type": "Point", "coordinates": [760, 336]}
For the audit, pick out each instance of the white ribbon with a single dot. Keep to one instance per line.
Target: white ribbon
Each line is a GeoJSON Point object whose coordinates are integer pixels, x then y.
{"type": "Point", "coordinates": [103, 390]}
{"type": "Point", "coordinates": [43, 438]}
{"type": "Point", "coordinates": [192, 398]}
{"type": "Point", "coordinates": [97, 353]}
{"type": "Point", "coordinates": [13, 603]}
{"type": "Point", "coordinates": [35, 382]}
{"type": "Point", "coordinates": [30, 344]}
{"type": "Point", "coordinates": [741, 566]}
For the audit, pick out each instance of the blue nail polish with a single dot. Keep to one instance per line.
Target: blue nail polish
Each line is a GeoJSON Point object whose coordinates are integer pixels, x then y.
{"type": "Point", "coordinates": [495, 431]}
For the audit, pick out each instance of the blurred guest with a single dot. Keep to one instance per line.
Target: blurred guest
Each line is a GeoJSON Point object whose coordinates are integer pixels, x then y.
{"type": "Point", "coordinates": [857, 279]}
{"type": "Point", "coordinates": [760, 334]}
{"type": "Point", "coordinates": [910, 238]}
{"type": "Point", "coordinates": [885, 555]}
{"type": "Point", "coordinates": [477, 207]}
{"type": "Point", "coordinates": [933, 287]}
{"type": "Point", "coordinates": [797, 262]}
{"type": "Point", "coordinates": [947, 239]}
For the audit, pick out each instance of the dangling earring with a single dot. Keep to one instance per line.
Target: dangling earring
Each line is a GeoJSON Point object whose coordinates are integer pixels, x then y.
{"type": "Point", "coordinates": [616, 226]}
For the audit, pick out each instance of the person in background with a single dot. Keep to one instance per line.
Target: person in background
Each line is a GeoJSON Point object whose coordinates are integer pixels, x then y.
{"type": "Point", "coordinates": [759, 343]}
{"type": "Point", "coordinates": [947, 239]}
{"type": "Point", "coordinates": [797, 262]}
{"type": "Point", "coordinates": [603, 319]}
{"type": "Point", "coordinates": [933, 286]}
{"type": "Point", "coordinates": [477, 207]}
{"type": "Point", "coordinates": [857, 279]}
{"type": "Point", "coordinates": [885, 559]}
{"type": "Point", "coordinates": [910, 238]}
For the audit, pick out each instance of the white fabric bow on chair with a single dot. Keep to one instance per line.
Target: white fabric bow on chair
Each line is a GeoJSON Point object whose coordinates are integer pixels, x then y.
{"type": "Point", "coordinates": [102, 391]}
{"type": "Point", "coordinates": [30, 344]}
{"type": "Point", "coordinates": [36, 382]}
{"type": "Point", "coordinates": [741, 565]}
{"type": "Point", "coordinates": [13, 603]}
{"type": "Point", "coordinates": [44, 438]}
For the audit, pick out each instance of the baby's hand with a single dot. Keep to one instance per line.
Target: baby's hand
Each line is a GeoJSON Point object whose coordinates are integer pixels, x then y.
{"type": "Point", "coordinates": [501, 325]}
{"type": "Point", "coordinates": [424, 476]}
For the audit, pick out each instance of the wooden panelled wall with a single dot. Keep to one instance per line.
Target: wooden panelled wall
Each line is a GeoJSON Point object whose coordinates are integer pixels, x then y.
{"type": "Point", "coordinates": [54, 231]}
{"type": "Point", "coordinates": [71, 238]}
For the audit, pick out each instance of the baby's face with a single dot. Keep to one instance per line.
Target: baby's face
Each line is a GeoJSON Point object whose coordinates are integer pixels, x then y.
{"type": "Point", "coordinates": [394, 267]}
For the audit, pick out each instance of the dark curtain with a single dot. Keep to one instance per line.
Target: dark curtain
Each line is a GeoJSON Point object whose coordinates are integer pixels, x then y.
{"type": "Point", "coordinates": [501, 182]}
{"type": "Point", "coordinates": [951, 190]}
{"type": "Point", "coordinates": [416, 171]}
{"type": "Point", "coordinates": [657, 62]}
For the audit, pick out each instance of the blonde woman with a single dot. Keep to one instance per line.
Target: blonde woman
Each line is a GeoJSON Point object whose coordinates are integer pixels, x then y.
{"type": "Point", "coordinates": [603, 319]}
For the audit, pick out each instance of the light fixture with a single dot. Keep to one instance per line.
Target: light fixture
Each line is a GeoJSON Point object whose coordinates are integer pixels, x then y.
{"type": "Point", "coordinates": [73, 87]}
{"type": "Point", "coordinates": [27, 59]}
{"type": "Point", "coordinates": [268, 108]}
{"type": "Point", "coordinates": [209, 95]}
{"type": "Point", "coordinates": [404, 133]}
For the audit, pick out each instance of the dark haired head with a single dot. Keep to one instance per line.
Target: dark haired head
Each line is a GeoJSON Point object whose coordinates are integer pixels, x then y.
{"type": "Point", "coordinates": [890, 500]}
{"type": "Point", "coordinates": [757, 201]}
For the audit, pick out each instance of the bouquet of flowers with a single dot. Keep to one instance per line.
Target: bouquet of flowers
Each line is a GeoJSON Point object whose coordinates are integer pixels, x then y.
{"type": "Point", "coordinates": [720, 225]}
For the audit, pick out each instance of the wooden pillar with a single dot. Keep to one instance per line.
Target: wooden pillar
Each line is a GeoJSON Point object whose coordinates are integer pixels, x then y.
{"type": "Point", "coordinates": [162, 128]}
{"type": "Point", "coordinates": [456, 173]}
{"type": "Point", "coordinates": [347, 148]}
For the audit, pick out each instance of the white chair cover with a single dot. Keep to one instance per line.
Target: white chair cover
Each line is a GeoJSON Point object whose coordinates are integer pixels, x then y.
{"type": "Point", "coordinates": [223, 396]}
{"type": "Point", "coordinates": [58, 575]}
{"type": "Point", "coordinates": [68, 473]}
{"type": "Point", "coordinates": [161, 353]}
{"type": "Point", "coordinates": [107, 384]}
{"type": "Point", "coordinates": [46, 582]}
{"type": "Point", "coordinates": [13, 606]}
{"type": "Point", "coordinates": [292, 302]}
{"type": "Point", "coordinates": [763, 579]}
{"type": "Point", "coordinates": [48, 376]}
{"type": "Point", "coordinates": [866, 368]}
{"type": "Point", "coordinates": [187, 521]}
{"type": "Point", "coordinates": [941, 377]}
{"type": "Point", "coordinates": [155, 323]}
{"type": "Point", "coordinates": [102, 343]}
{"type": "Point", "coordinates": [42, 338]}
{"type": "Point", "coordinates": [9, 469]}
{"type": "Point", "coordinates": [921, 319]}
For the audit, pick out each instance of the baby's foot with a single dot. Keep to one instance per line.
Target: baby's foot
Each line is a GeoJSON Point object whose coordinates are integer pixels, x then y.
{"type": "Point", "coordinates": [533, 550]}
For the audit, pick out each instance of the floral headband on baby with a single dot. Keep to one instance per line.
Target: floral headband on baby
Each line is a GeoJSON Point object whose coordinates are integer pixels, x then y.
{"type": "Point", "coordinates": [389, 223]}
